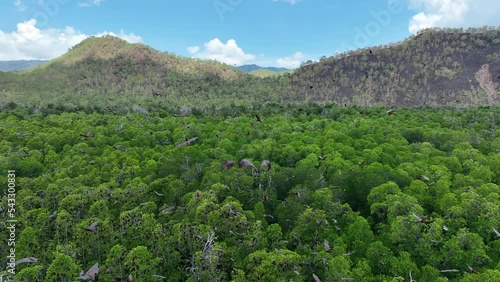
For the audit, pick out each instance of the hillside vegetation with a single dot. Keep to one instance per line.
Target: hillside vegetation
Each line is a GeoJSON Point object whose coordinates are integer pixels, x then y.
{"type": "Point", "coordinates": [433, 68]}
{"type": "Point", "coordinates": [436, 67]}
{"type": "Point", "coordinates": [264, 73]}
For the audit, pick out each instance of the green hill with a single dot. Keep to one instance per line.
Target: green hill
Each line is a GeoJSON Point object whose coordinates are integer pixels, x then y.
{"type": "Point", "coordinates": [113, 50]}
{"type": "Point", "coordinates": [264, 73]}
{"type": "Point", "coordinates": [109, 72]}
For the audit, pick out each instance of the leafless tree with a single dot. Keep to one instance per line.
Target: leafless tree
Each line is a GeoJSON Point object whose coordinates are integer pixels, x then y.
{"type": "Point", "coordinates": [26, 260]}
{"type": "Point", "coordinates": [497, 234]}
{"type": "Point", "coordinates": [186, 143]}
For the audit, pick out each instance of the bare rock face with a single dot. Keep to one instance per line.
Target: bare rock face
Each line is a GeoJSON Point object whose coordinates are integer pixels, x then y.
{"type": "Point", "coordinates": [483, 76]}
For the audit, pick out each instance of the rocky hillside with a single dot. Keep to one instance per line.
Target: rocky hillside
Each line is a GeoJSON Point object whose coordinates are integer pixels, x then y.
{"type": "Point", "coordinates": [435, 67]}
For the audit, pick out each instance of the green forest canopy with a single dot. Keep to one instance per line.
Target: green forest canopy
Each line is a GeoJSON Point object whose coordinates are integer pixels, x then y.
{"type": "Point", "coordinates": [352, 193]}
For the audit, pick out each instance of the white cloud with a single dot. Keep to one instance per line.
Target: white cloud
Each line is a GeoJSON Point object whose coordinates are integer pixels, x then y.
{"type": "Point", "coordinates": [291, 62]}
{"type": "Point", "coordinates": [292, 2]}
{"type": "Point", "coordinates": [453, 13]}
{"type": "Point", "coordinates": [20, 5]}
{"type": "Point", "coordinates": [131, 37]}
{"type": "Point", "coordinates": [29, 42]}
{"type": "Point", "coordinates": [228, 53]}
{"type": "Point", "coordinates": [89, 3]}
{"type": "Point", "coordinates": [193, 49]}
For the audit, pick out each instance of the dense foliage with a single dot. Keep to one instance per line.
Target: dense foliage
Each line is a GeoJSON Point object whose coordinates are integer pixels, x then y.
{"type": "Point", "coordinates": [351, 193]}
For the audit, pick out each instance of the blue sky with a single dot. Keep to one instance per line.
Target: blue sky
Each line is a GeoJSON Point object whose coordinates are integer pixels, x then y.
{"type": "Point", "coordinates": [266, 32]}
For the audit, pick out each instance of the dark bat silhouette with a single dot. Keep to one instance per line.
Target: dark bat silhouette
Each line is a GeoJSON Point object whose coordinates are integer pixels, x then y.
{"type": "Point", "coordinates": [326, 245]}
{"type": "Point", "coordinates": [227, 164]}
{"type": "Point", "coordinates": [244, 163]}
{"type": "Point", "coordinates": [265, 164]}
{"type": "Point", "coordinates": [26, 260]}
{"type": "Point", "coordinates": [420, 218]}
{"type": "Point", "coordinates": [472, 270]}
{"type": "Point", "coordinates": [90, 274]}
{"type": "Point", "coordinates": [186, 143]}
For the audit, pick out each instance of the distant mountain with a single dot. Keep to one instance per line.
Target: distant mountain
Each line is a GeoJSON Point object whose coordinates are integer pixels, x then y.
{"type": "Point", "coordinates": [250, 68]}
{"type": "Point", "coordinates": [19, 64]}
{"type": "Point", "coordinates": [264, 73]}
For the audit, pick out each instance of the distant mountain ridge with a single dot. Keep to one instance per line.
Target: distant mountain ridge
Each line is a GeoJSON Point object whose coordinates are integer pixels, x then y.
{"type": "Point", "coordinates": [254, 67]}
{"type": "Point", "coordinates": [16, 65]}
